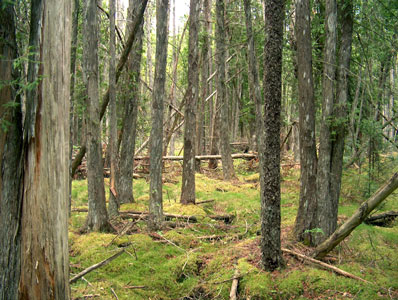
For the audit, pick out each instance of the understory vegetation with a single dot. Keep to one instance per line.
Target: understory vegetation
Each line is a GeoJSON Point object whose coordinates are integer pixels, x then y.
{"type": "Point", "coordinates": [187, 260]}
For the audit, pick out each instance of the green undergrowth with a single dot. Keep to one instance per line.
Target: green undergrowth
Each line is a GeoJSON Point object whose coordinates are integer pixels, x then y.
{"type": "Point", "coordinates": [198, 260]}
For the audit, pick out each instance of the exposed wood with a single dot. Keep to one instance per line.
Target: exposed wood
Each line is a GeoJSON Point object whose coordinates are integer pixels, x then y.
{"type": "Point", "coordinates": [234, 286]}
{"type": "Point", "coordinates": [325, 265]}
{"type": "Point", "coordinates": [357, 218]}
{"type": "Point", "coordinates": [96, 266]}
{"type": "Point", "coordinates": [114, 294]}
{"type": "Point", "coordinates": [383, 219]}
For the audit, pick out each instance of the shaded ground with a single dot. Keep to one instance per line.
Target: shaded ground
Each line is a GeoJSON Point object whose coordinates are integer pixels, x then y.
{"type": "Point", "coordinates": [197, 260]}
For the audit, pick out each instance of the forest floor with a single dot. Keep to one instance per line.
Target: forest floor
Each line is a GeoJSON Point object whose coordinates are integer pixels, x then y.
{"type": "Point", "coordinates": [198, 260]}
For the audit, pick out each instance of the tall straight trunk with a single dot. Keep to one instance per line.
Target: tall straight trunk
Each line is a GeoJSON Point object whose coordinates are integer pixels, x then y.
{"type": "Point", "coordinates": [306, 214]}
{"type": "Point", "coordinates": [75, 27]}
{"type": "Point", "coordinates": [149, 64]}
{"type": "Point", "coordinates": [326, 211]}
{"type": "Point", "coordinates": [175, 61]}
{"type": "Point", "coordinates": [227, 162]}
{"type": "Point", "coordinates": [113, 207]}
{"type": "Point", "coordinates": [155, 186]}
{"type": "Point", "coordinates": [270, 190]}
{"type": "Point", "coordinates": [97, 217]}
{"type": "Point", "coordinates": [200, 123]}
{"type": "Point", "coordinates": [188, 166]}
{"type": "Point", "coordinates": [340, 113]}
{"type": "Point", "coordinates": [44, 227]}
{"type": "Point", "coordinates": [254, 81]}
{"type": "Point", "coordinates": [10, 160]}
{"type": "Point", "coordinates": [127, 148]}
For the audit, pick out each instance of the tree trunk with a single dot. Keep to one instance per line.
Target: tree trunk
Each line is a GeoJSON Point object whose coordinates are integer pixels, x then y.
{"type": "Point", "coordinates": [44, 228]}
{"type": "Point", "coordinates": [97, 217]}
{"type": "Point", "coordinates": [119, 69]}
{"type": "Point", "coordinates": [113, 203]}
{"type": "Point", "coordinates": [188, 166]}
{"type": "Point", "coordinates": [357, 218]}
{"type": "Point", "coordinates": [270, 192]}
{"type": "Point", "coordinates": [155, 187]}
{"type": "Point", "coordinates": [227, 162]}
{"type": "Point", "coordinates": [255, 84]}
{"type": "Point", "coordinates": [131, 109]}
{"type": "Point", "coordinates": [10, 160]}
{"type": "Point", "coordinates": [340, 113]}
{"type": "Point", "coordinates": [201, 120]}
{"type": "Point", "coordinates": [306, 214]}
{"type": "Point", "coordinates": [326, 209]}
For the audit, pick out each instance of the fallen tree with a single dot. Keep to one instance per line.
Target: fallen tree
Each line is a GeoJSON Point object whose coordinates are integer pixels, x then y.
{"type": "Point", "coordinates": [357, 218]}
{"type": "Point", "coordinates": [384, 219]}
{"type": "Point", "coordinates": [202, 157]}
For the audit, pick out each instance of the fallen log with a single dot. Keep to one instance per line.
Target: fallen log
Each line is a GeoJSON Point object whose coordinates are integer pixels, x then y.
{"type": "Point", "coordinates": [357, 218]}
{"type": "Point", "coordinates": [204, 201]}
{"type": "Point", "coordinates": [384, 219]}
{"type": "Point", "coordinates": [96, 266]}
{"type": "Point", "coordinates": [202, 157]}
{"type": "Point", "coordinates": [325, 265]}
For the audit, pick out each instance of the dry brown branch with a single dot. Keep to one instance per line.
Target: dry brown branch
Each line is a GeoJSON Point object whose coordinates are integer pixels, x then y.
{"type": "Point", "coordinates": [325, 265]}
{"type": "Point", "coordinates": [96, 266]}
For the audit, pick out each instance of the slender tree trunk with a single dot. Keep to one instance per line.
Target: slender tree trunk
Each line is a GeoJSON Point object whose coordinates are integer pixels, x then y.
{"type": "Point", "coordinates": [97, 217]}
{"type": "Point", "coordinates": [270, 192]}
{"type": "Point", "coordinates": [131, 109]}
{"type": "Point", "coordinates": [122, 61]}
{"type": "Point", "coordinates": [306, 215]}
{"type": "Point", "coordinates": [113, 207]}
{"type": "Point", "coordinates": [326, 210]}
{"type": "Point", "coordinates": [200, 124]}
{"type": "Point", "coordinates": [227, 162]}
{"type": "Point", "coordinates": [155, 187]}
{"type": "Point", "coordinates": [10, 160]}
{"type": "Point", "coordinates": [44, 227]}
{"type": "Point", "coordinates": [188, 166]}
{"type": "Point", "coordinates": [340, 114]}
{"type": "Point", "coordinates": [254, 80]}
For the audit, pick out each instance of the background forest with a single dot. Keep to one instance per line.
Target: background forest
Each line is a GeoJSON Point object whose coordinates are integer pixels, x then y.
{"type": "Point", "coordinates": [244, 150]}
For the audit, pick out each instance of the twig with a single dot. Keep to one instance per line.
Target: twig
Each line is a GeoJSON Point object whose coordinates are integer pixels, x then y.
{"type": "Point", "coordinates": [96, 266]}
{"type": "Point", "coordinates": [325, 265]}
{"type": "Point", "coordinates": [135, 287]}
{"type": "Point", "coordinates": [234, 285]}
{"type": "Point", "coordinates": [114, 294]}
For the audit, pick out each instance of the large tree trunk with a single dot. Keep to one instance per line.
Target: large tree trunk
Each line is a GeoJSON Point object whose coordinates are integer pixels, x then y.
{"type": "Point", "coordinates": [97, 217]}
{"type": "Point", "coordinates": [10, 160]}
{"type": "Point", "coordinates": [155, 186]}
{"type": "Point", "coordinates": [270, 192]}
{"type": "Point", "coordinates": [357, 218]}
{"type": "Point", "coordinates": [306, 214]}
{"type": "Point", "coordinates": [227, 162]}
{"type": "Point", "coordinates": [44, 228]}
{"type": "Point", "coordinates": [113, 206]}
{"type": "Point", "coordinates": [340, 113]}
{"type": "Point", "coordinates": [326, 209]}
{"type": "Point", "coordinates": [188, 166]}
{"type": "Point", "coordinates": [131, 109]}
